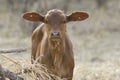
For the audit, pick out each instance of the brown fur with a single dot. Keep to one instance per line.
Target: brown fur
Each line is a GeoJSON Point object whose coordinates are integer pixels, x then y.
{"type": "Point", "coordinates": [55, 54]}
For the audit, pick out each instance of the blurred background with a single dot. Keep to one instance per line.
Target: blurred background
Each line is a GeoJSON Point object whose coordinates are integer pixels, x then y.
{"type": "Point", "coordinates": [96, 40]}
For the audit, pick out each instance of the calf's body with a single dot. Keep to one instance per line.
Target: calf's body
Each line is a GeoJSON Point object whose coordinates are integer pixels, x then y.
{"type": "Point", "coordinates": [58, 57]}
{"type": "Point", "coordinates": [50, 42]}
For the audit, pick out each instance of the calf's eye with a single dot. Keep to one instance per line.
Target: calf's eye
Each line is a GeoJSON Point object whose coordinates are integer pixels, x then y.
{"type": "Point", "coordinates": [64, 21]}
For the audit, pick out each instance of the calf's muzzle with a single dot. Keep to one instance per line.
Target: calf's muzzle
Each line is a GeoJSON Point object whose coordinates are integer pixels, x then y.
{"type": "Point", "coordinates": [55, 35]}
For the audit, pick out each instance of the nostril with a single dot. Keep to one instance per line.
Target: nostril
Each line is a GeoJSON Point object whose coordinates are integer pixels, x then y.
{"type": "Point", "coordinates": [52, 34]}
{"type": "Point", "coordinates": [55, 34]}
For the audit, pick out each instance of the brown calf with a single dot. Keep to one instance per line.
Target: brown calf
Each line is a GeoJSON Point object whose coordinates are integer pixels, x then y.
{"type": "Point", "coordinates": [51, 43]}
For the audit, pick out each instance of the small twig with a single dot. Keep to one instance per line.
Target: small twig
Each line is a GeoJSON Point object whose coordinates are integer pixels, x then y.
{"type": "Point", "coordinates": [9, 74]}
{"type": "Point", "coordinates": [18, 50]}
{"type": "Point", "coordinates": [37, 59]}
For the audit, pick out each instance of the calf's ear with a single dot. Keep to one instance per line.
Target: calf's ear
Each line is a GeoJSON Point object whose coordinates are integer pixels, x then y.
{"type": "Point", "coordinates": [33, 16]}
{"type": "Point", "coordinates": [77, 16]}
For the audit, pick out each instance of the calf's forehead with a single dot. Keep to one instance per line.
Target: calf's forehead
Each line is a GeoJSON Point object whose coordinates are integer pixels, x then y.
{"type": "Point", "coordinates": [55, 15]}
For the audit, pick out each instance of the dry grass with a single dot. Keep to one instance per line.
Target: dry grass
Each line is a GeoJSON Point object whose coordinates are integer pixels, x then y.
{"type": "Point", "coordinates": [27, 70]}
{"type": "Point", "coordinates": [39, 72]}
{"type": "Point", "coordinates": [98, 71]}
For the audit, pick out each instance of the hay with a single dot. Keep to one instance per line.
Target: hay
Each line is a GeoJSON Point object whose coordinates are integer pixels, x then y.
{"type": "Point", "coordinates": [28, 71]}
{"type": "Point", "coordinates": [38, 72]}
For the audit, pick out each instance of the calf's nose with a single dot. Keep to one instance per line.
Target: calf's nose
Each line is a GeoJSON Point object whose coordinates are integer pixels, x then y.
{"type": "Point", "coordinates": [55, 34]}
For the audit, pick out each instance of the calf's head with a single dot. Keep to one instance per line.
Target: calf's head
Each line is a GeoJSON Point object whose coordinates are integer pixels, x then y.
{"type": "Point", "coordinates": [55, 21]}
{"type": "Point", "coordinates": [55, 28]}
